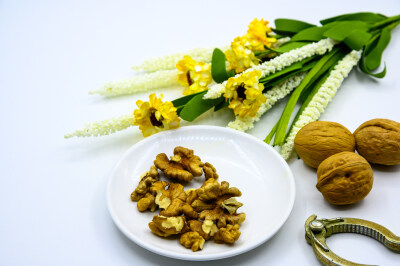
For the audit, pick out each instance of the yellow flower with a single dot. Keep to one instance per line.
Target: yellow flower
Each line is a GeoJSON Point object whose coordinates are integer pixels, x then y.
{"type": "Point", "coordinates": [194, 75]}
{"type": "Point", "coordinates": [240, 56]}
{"type": "Point", "coordinates": [155, 116]}
{"type": "Point", "coordinates": [258, 35]}
{"type": "Point", "coordinates": [244, 94]}
{"type": "Point", "coordinates": [241, 53]}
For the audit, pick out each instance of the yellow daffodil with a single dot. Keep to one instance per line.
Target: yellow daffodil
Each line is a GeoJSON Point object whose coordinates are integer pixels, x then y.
{"type": "Point", "coordinates": [244, 94]}
{"type": "Point", "coordinates": [258, 35]}
{"type": "Point", "coordinates": [193, 75]}
{"type": "Point", "coordinates": [155, 116]}
{"type": "Point", "coordinates": [240, 56]}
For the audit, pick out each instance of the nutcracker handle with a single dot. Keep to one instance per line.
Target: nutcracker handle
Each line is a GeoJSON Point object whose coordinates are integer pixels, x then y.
{"type": "Point", "coordinates": [317, 230]}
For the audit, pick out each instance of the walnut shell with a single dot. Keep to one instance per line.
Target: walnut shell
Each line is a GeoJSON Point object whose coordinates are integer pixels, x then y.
{"type": "Point", "coordinates": [344, 178]}
{"type": "Point", "coordinates": [320, 139]}
{"type": "Point", "coordinates": [378, 141]}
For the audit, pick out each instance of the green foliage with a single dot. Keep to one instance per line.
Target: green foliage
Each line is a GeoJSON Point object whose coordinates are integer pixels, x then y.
{"type": "Point", "coordinates": [218, 67]}
{"type": "Point", "coordinates": [180, 102]}
{"type": "Point", "coordinates": [374, 56]}
{"type": "Point", "coordinates": [290, 46]}
{"type": "Point", "coordinates": [311, 34]}
{"type": "Point", "coordinates": [357, 39]}
{"type": "Point", "coordinates": [197, 106]}
{"type": "Point", "coordinates": [367, 30]}
{"type": "Point", "coordinates": [290, 27]}
{"type": "Point", "coordinates": [361, 16]}
{"type": "Point", "coordinates": [341, 29]}
{"type": "Point", "coordinates": [319, 69]}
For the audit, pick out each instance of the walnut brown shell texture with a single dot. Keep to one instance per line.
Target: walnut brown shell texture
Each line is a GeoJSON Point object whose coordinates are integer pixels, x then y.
{"type": "Point", "coordinates": [378, 141]}
{"type": "Point", "coordinates": [344, 178]}
{"type": "Point", "coordinates": [320, 139]}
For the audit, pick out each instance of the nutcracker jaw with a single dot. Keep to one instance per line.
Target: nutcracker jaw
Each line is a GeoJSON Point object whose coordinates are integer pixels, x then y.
{"type": "Point", "coordinates": [317, 230]}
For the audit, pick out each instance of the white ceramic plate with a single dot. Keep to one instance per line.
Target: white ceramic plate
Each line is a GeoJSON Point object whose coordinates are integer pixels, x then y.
{"type": "Point", "coordinates": [266, 182]}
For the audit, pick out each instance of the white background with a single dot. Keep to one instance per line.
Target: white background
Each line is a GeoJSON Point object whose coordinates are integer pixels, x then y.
{"type": "Point", "coordinates": [53, 191]}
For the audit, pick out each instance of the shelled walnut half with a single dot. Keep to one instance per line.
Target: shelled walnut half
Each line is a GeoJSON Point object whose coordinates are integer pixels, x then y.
{"type": "Point", "coordinates": [183, 166]}
{"type": "Point", "coordinates": [168, 226]}
{"type": "Point", "coordinates": [197, 215]}
{"type": "Point", "coordinates": [216, 202]}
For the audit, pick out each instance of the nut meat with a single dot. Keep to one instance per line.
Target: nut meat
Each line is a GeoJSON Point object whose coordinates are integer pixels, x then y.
{"type": "Point", "coordinates": [196, 215]}
{"type": "Point", "coordinates": [183, 166]}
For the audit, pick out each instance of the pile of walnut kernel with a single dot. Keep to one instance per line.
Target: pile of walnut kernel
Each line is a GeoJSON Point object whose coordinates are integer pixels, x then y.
{"type": "Point", "coordinates": [196, 215]}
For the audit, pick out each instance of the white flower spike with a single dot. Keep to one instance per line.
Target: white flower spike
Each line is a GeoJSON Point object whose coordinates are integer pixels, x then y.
{"type": "Point", "coordinates": [169, 61]}
{"type": "Point", "coordinates": [104, 127]}
{"type": "Point", "coordinates": [151, 81]}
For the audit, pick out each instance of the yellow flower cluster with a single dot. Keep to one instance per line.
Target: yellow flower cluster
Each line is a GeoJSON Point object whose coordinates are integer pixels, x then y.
{"type": "Point", "coordinates": [241, 53]}
{"type": "Point", "coordinates": [193, 75]}
{"type": "Point", "coordinates": [258, 35]}
{"type": "Point", "coordinates": [244, 94]}
{"type": "Point", "coordinates": [155, 115]}
{"type": "Point", "coordinates": [240, 56]}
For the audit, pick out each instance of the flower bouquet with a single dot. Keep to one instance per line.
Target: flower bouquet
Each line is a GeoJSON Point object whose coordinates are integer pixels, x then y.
{"type": "Point", "coordinates": [297, 59]}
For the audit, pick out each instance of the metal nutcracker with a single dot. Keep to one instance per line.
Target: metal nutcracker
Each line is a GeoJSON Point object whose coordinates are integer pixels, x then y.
{"type": "Point", "coordinates": [319, 229]}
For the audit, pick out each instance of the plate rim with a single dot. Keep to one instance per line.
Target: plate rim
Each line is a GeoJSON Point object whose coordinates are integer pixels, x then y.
{"type": "Point", "coordinates": [210, 256]}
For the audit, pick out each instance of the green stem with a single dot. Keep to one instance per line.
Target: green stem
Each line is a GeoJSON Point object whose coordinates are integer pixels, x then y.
{"type": "Point", "coordinates": [308, 79]}
{"type": "Point", "coordinates": [382, 24]}
{"type": "Point", "coordinates": [393, 25]}
{"type": "Point", "coordinates": [271, 134]}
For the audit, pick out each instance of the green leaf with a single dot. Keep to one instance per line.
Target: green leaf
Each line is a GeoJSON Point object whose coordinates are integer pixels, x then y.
{"type": "Point", "coordinates": [309, 34]}
{"type": "Point", "coordinates": [290, 26]}
{"type": "Point", "coordinates": [312, 34]}
{"type": "Point", "coordinates": [389, 22]}
{"type": "Point", "coordinates": [371, 44]}
{"type": "Point", "coordinates": [183, 100]}
{"type": "Point", "coordinates": [330, 63]}
{"type": "Point", "coordinates": [218, 67]}
{"type": "Point", "coordinates": [282, 78]}
{"type": "Point", "coordinates": [221, 106]}
{"type": "Point", "coordinates": [295, 66]}
{"type": "Point", "coordinates": [268, 85]}
{"type": "Point", "coordinates": [364, 69]}
{"type": "Point", "coordinates": [340, 30]}
{"type": "Point", "coordinates": [271, 134]}
{"type": "Point", "coordinates": [374, 57]}
{"type": "Point", "coordinates": [179, 109]}
{"type": "Point", "coordinates": [357, 39]}
{"type": "Point", "coordinates": [265, 54]}
{"type": "Point", "coordinates": [363, 16]}
{"type": "Point", "coordinates": [315, 87]}
{"type": "Point", "coordinates": [290, 46]}
{"type": "Point", "coordinates": [197, 106]}
{"type": "Point", "coordinates": [311, 76]}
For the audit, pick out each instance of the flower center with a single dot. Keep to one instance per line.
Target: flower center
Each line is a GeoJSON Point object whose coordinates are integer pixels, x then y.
{"type": "Point", "coordinates": [240, 91]}
{"type": "Point", "coordinates": [153, 119]}
{"type": "Point", "coordinates": [189, 79]}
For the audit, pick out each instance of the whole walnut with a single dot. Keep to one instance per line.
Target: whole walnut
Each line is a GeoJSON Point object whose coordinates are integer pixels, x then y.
{"type": "Point", "coordinates": [378, 141]}
{"type": "Point", "coordinates": [344, 178]}
{"type": "Point", "coordinates": [320, 139]}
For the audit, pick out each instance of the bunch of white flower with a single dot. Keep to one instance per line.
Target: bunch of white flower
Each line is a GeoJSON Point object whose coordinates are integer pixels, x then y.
{"type": "Point", "coordinates": [104, 127]}
{"type": "Point", "coordinates": [321, 99]}
{"type": "Point", "coordinates": [279, 63]}
{"type": "Point", "coordinates": [169, 61]}
{"type": "Point", "coordinates": [150, 81]}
